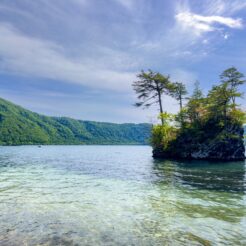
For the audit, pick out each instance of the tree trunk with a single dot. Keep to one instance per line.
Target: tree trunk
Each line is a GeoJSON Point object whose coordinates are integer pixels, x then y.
{"type": "Point", "coordinates": [180, 104]}
{"type": "Point", "coordinates": [181, 113]}
{"type": "Point", "coordinates": [225, 117]}
{"type": "Point", "coordinates": [233, 87]}
{"type": "Point", "coordinates": [160, 105]}
{"type": "Point", "coordinates": [234, 102]}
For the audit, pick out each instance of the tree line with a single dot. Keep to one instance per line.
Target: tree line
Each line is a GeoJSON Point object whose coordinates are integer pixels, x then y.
{"type": "Point", "coordinates": [197, 111]}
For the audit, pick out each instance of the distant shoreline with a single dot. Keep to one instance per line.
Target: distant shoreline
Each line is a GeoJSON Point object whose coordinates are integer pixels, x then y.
{"type": "Point", "coordinates": [19, 126]}
{"type": "Point", "coordinates": [43, 145]}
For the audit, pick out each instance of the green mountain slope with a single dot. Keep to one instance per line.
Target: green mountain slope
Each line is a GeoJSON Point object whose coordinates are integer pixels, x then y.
{"type": "Point", "coordinates": [21, 126]}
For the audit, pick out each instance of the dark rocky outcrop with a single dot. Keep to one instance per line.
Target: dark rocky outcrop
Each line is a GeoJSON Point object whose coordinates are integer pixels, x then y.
{"type": "Point", "coordinates": [227, 145]}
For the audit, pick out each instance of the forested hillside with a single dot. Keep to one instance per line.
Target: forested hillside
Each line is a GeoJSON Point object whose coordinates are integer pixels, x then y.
{"type": "Point", "coordinates": [20, 126]}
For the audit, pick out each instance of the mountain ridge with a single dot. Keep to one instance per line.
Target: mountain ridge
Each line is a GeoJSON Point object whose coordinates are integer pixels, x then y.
{"type": "Point", "coordinates": [19, 126]}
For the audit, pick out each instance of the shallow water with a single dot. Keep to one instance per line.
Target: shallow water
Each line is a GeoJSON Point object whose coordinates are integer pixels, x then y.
{"type": "Point", "coordinates": [117, 195]}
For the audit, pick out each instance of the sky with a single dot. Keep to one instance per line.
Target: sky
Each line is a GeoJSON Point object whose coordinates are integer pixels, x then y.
{"type": "Point", "coordinates": [78, 58]}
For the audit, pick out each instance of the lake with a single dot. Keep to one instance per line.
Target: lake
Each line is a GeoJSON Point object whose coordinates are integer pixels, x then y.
{"type": "Point", "coordinates": [118, 195]}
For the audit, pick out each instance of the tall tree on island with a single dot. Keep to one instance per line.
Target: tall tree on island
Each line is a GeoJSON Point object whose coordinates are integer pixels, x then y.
{"type": "Point", "coordinates": [233, 78]}
{"type": "Point", "coordinates": [195, 105]}
{"type": "Point", "coordinates": [178, 91]}
{"type": "Point", "coordinates": [149, 89]}
{"type": "Point", "coordinates": [219, 102]}
{"type": "Point", "coordinates": [222, 98]}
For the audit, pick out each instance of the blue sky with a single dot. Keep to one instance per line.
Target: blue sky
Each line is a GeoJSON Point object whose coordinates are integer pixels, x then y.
{"type": "Point", "coordinates": [78, 58]}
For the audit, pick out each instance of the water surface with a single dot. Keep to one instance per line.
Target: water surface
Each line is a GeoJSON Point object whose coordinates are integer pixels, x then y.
{"type": "Point", "coordinates": [117, 195]}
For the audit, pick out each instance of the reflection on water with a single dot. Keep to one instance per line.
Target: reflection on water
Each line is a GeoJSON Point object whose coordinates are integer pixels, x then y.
{"type": "Point", "coordinates": [218, 176]}
{"type": "Point", "coordinates": [117, 195]}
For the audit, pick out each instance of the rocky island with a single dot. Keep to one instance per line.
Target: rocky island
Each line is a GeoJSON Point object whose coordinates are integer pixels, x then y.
{"type": "Point", "coordinates": [221, 145]}
{"type": "Point", "coordinates": [206, 127]}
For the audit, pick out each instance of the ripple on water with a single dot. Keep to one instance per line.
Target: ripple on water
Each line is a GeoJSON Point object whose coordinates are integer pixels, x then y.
{"type": "Point", "coordinates": [117, 195]}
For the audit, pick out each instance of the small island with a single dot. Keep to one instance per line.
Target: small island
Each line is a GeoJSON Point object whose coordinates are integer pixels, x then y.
{"type": "Point", "coordinates": [207, 127]}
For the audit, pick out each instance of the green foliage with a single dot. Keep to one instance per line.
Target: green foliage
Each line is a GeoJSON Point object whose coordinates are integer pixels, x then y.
{"type": "Point", "coordinates": [150, 87]}
{"type": "Point", "coordinates": [204, 120]}
{"type": "Point", "coordinates": [166, 117]}
{"type": "Point", "coordinates": [163, 134]}
{"type": "Point", "coordinates": [197, 92]}
{"type": "Point", "coordinates": [233, 78]}
{"type": "Point", "coordinates": [195, 106]}
{"type": "Point", "coordinates": [178, 91]}
{"type": "Point", "coordinates": [218, 106]}
{"type": "Point", "coordinates": [20, 126]}
{"type": "Point", "coordinates": [218, 103]}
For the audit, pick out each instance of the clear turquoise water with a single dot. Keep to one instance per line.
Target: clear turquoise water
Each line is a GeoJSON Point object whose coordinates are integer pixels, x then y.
{"type": "Point", "coordinates": [117, 195]}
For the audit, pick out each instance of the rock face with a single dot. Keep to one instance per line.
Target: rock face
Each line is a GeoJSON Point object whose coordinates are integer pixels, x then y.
{"type": "Point", "coordinates": [226, 146]}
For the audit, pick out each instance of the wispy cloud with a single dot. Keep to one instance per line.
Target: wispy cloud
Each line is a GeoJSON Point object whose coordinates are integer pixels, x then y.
{"type": "Point", "coordinates": [129, 4]}
{"type": "Point", "coordinates": [200, 23]}
{"type": "Point", "coordinates": [25, 55]}
{"type": "Point", "coordinates": [200, 28]}
{"type": "Point", "coordinates": [224, 7]}
{"type": "Point", "coordinates": [92, 45]}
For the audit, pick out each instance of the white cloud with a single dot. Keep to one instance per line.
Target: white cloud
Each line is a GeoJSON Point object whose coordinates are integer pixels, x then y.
{"type": "Point", "coordinates": [184, 76]}
{"type": "Point", "coordinates": [35, 57]}
{"type": "Point", "coordinates": [226, 36]}
{"type": "Point", "coordinates": [201, 24]}
{"type": "Point", "coordinates": [129, 4]}
{"type": "Point", "coordinates": [205, 41]}
{"type": "Point", "coordinates": [196, 32]}
{"type": "Point", "coordinates": [224, 7]}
